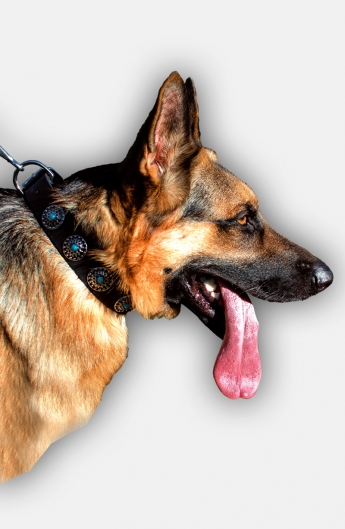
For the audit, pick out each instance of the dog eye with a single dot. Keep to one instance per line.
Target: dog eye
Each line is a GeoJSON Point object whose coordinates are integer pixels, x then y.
{"type": "Point", "coordinates": [242, 220]}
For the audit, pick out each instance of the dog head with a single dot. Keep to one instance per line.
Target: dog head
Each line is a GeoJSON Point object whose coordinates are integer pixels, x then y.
{"type": "Point", "coordinates": [197, 219]}
{"type": "Point", "coordinates": [190, 232]}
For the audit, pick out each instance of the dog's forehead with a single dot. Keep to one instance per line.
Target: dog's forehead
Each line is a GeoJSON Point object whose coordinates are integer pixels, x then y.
{"type": "Point", "coordinates": [220, 192]}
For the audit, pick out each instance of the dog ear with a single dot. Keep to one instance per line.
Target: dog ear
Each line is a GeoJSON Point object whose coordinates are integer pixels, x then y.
{"type": "Point", "coordinates": [173, 130]}
{"type": "Point", "coordinates": [168, 130]}
{"type": "Point", "coordinates": [166, 144]}
{"type": "Point", "coordinates": [193, 111]}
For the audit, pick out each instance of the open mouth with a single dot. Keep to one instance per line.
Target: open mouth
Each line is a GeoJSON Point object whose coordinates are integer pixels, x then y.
{"type": "Point", "coordinates": [229, 313]}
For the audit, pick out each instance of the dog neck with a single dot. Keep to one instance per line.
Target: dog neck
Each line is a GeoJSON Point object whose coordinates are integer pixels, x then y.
{"type": "Point", "coordinates": [78, 242]}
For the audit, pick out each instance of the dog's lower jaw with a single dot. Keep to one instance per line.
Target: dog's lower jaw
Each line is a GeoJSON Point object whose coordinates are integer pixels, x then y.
{"type": "Point", "coordinates": [167, 311]}
{"type": "Point", "coordinates": [150, 301]}
{"type": "Point", "coordinates": [170, 312]}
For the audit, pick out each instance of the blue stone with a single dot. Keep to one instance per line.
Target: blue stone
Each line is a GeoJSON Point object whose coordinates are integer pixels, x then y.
{"type": "Point", "coordinates": [126, 305]}
{"type": "Point", "coordinates": [100, 280]}
{"type": "Point", "coordinates": [52, 215]}
{"type": "Point", "coordinates": [74, 247]}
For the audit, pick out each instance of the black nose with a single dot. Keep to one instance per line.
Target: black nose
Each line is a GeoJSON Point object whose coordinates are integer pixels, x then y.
{"type": "Point", "coordinates": [322, 277]}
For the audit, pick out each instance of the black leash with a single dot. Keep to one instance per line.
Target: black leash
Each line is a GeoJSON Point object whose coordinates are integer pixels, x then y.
{"type": "Point", "coordinates": [70, 241]}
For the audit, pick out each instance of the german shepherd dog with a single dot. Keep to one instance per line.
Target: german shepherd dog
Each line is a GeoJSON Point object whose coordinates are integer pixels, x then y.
{"type": "Point", "coordinates": [175, 227]}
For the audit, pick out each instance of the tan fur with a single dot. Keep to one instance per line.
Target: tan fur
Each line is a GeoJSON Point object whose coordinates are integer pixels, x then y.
{"type": "Point", "coordinates": [174, 241]}
{"type": "Point", "coordinates": [59, 346]}
{"type": "Point", "coordinates": [47, 387]}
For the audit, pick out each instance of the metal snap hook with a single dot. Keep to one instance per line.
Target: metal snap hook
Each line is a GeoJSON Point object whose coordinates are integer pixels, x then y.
{"type": "Point", "coordinates": [20, 167]}
{"type": "Point", "coordinates": [24, 164]}
{"type": "Point", "coordinates": [6, 156]}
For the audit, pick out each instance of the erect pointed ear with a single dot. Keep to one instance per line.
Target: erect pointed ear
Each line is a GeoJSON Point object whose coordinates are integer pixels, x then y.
{"type": "Point", "coordinates": [173, 132]}
{"type": "Point", "coordinates": [193, 110]}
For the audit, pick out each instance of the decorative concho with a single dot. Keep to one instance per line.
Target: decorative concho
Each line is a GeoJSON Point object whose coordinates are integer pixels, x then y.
{"type": "Point", "coordinates": [123, 305]}
{"type": "Point", "coordinates": [99, 279]}
{"type": "Point", "coordinates": [74, 248]}
{"type": "Point", "coordinates": [53, 217]}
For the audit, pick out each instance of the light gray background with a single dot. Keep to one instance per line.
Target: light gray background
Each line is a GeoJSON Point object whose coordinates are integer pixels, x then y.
{"type": "Point", "coordinates": [165, 447]}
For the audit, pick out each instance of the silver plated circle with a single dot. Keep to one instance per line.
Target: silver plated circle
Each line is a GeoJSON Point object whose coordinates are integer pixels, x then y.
{"type": "Point", "coordinates": [99, 279]}
{"type": "Point", "coordinates": [53, 217]}
{"type": "Point", "coordinates": [74, 248]}
{"type": "Point", "coordinates": [123, 305]}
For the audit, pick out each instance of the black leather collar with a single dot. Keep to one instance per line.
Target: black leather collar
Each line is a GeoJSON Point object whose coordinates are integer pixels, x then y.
{"type": "Point", "coordinates": [71, 242]}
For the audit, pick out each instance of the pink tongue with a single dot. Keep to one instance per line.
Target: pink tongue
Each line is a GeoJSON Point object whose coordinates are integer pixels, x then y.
{"type": "Point", "coordinates": [237, 370]}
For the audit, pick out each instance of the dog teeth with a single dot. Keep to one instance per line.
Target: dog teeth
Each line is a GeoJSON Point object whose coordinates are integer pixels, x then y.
{"type": "Point", "coordinates": [211, 286]}
{"type": "Point", "coordinates": [210, 283]}
{"type": "Point", "coordinates": [215, 295]}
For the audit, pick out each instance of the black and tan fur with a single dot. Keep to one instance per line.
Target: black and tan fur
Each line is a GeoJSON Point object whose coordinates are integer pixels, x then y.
{"type": "Point", "coordinates": [167, 213]}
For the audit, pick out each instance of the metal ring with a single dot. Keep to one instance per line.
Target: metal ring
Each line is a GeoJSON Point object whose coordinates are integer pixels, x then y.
{"type": "Point", "coordinates": [74, 248]}
{"type": "Point", "coordinates": [52, 217]}
{"type": "Point", "coordinates": [123, 305]}
{"type": "Point", "coordinates": [100, 279]}
{"type": "Point", "coordinates": [23, 164]}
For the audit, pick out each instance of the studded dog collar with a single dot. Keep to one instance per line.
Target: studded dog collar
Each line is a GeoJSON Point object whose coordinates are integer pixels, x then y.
{"type": "Point", "coordinates": [69, 239]}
